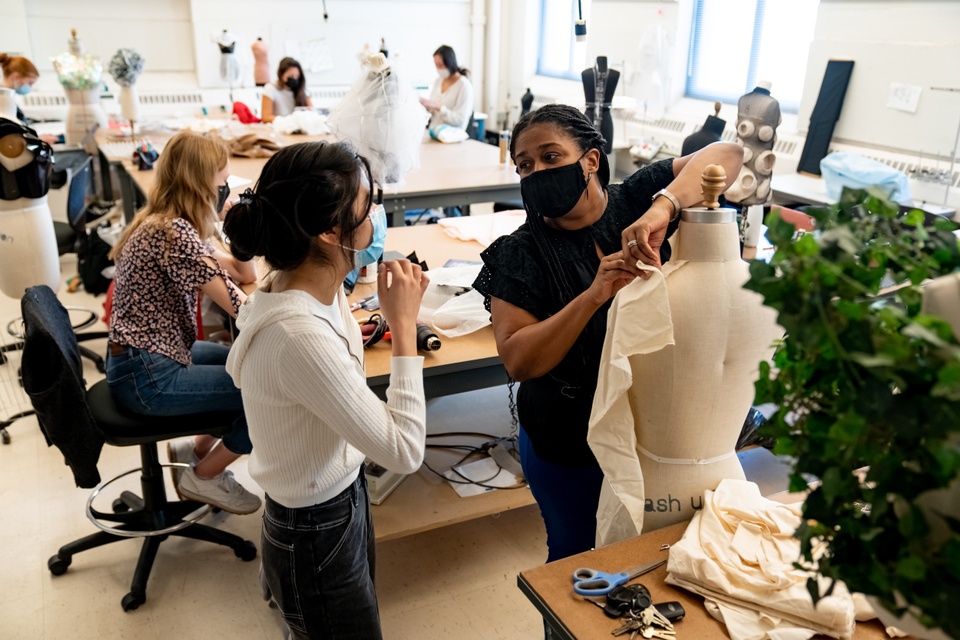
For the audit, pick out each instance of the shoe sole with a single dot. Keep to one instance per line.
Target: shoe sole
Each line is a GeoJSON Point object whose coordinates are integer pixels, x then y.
{"type": "Point", "coordinates": [186, 495]}
{"type": "Point", "coordinates": [175, 472]}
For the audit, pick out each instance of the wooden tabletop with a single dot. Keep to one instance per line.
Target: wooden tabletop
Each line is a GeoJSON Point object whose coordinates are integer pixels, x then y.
{"type": "Point", "coordinates": [550, 589]}
{"type": "Point", "coordinates": [456, 167]}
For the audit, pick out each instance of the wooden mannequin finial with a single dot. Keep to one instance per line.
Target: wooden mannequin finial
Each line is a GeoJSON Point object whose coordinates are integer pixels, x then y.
{"type": "Point", "coordinates": [73, 33]}
{"type": "Point", "coordinates": [713, 181]}
{"type": "Point", "coordinates": [716, 109]}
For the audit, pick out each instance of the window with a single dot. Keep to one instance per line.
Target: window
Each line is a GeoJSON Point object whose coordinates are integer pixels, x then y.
{"type": "Point", "coordinates": [556, 55]}
{"type": "Point", "coordinates": [735, 43]}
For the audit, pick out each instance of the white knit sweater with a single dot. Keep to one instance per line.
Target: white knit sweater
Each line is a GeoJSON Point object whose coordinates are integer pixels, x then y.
{"type": "Point", "coordinates": [311, 415]}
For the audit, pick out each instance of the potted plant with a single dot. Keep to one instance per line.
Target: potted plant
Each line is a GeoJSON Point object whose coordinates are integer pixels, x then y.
{"type": "Point", "coordinates": [865, 381]}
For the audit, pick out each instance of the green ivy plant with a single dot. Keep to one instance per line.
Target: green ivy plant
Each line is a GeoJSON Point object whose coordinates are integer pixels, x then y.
{"type": "Point", "coordinates": [865, 381]}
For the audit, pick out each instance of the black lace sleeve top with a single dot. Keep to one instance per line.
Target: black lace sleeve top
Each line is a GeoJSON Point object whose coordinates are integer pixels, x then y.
{"type": "Point", "coordinates": [554, 409]}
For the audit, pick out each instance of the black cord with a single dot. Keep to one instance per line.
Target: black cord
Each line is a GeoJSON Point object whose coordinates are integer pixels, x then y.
{"type": "Point", "coordinates": [470, 452]}
{"type": "Point", "coordinates": [580, 9]}
{"type": "Point", "coordinates": [463, 433]}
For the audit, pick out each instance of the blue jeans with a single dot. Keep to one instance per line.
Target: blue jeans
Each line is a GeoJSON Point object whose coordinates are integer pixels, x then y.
{"type": "Point", "coordinates": [154, 385]}
{"type": "Point", "coordinates": [319, 563]}
{"type": "Point", "coordinates": [568, 499]}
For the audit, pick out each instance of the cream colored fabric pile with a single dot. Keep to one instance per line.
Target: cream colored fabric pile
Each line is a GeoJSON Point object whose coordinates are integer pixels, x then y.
{"type": "Point", "coordinates": [738, 553]}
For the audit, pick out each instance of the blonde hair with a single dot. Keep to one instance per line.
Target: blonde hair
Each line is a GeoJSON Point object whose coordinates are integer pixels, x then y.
{"type": "Point", "coordinates": [184, 186]}
{"type": "Point", "coordinates": [17, 64]}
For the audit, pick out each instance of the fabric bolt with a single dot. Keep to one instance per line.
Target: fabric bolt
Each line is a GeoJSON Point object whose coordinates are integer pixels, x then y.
{"type": "Point", "coordinates": [738, 553]}
{"type": "Point", "coordinates": [158, 278]}
{"type": "Point", "coordinates": [311, 415]}
{"type": "Point", "coordinates": [152, 384]}
{"type": "Point", "coordinates": [284, 102]}
{"type": "Point", "coordinates": [483, 229]}
{"type": "Point", "coordinates": [555, 408]}
{"type": "Point", "coordinates": [456, 103]}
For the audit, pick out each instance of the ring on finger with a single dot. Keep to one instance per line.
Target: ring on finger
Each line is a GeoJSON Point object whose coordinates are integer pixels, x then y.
{"type": "Point", "coordinates": [631, 244]}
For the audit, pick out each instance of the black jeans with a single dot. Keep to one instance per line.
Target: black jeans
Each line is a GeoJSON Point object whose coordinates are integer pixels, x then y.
{"type": "Point", "coordinates": [319, 563]}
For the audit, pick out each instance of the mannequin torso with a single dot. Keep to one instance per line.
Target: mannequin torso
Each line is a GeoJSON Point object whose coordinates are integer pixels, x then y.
{"type": "Point", "coordinates": [599, 85]}
{"type": "Point", "coordinates": [685, 402]}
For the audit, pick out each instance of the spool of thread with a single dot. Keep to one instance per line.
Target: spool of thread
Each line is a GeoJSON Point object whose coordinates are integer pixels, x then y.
{"type": "Point", "coordinates": [368, 274]}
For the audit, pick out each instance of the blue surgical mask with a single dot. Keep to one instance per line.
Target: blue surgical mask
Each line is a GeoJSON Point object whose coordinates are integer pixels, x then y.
{"type": "Point", "coordinates": [23, 89]}
{"type": "Point", "coordinates": [370, 255]}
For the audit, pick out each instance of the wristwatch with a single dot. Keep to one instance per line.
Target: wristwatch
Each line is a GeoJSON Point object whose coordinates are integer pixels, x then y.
{"type": "Point", "coordinates": [673, 200]}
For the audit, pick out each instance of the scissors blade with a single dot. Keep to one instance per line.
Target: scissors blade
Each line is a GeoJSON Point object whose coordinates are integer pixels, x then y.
{"type": "Point", "coordinates": [647, 568]}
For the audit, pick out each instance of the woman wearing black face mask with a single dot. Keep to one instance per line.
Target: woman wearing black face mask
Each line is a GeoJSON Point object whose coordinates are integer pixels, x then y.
{"type": "Point", "coordinates": [549, 284]}
{"type": "Point", "coordinates": [280, 98]}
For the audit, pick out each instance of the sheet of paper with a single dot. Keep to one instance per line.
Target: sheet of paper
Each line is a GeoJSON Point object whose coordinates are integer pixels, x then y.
{"type": "Point", "coordinates": [905, 97]}
{"type": "Point", "coordinates": [483, 470]}
{"type": "Point", "coordinates": [236, 181]}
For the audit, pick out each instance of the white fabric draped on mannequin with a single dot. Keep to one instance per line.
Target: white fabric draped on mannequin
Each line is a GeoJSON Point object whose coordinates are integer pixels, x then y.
{"type": "Point", "coordinates": [676, 380]}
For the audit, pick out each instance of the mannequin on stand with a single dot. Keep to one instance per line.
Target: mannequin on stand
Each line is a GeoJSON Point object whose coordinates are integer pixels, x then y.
{"type": "Point", "coordinates": [229, 65]}
{"type": "Point", "coordinates": [599, 85]}
{"type": "Point", "coordinates": [261, 62]}
{"type": "Point", "coordinates": [28, 244]}
{"type": "Point", "coordinates": [710, 132]}
{"type": "Point", "coordinates": [758, 116]}
{"type": "Point", "coordinates": [526, 103]}
{"type": "Point", "coordinates": [80, 75]}
{"type": "Point", "coordinates": [677, 374]}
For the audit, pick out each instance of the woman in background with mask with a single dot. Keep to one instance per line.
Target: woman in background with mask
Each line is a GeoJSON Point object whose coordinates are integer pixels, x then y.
{"type": "Point", "coordinates": [287, 93]}
{"type": "Point", "coordinates": [299, 364]}
{"type": "Point", "coordinates": [19, 75]}
{"type": "Point", "coordinates": [451, 100]}
{"type": "Point", "coordinates": [548, 287]}
{"type": "Point", "coordinates": [155, 364]}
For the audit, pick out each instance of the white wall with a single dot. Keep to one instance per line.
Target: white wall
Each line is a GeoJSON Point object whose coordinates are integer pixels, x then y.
{"type": "Point", "coordinates": [916, 42]}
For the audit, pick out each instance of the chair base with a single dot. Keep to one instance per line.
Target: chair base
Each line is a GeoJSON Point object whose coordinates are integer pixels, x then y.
{"type": "Point", "coordinates": [145, 517]}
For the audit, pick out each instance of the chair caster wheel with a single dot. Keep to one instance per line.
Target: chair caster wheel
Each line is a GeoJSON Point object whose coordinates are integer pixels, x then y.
{"type": "Point", "coordinates": [132, 600]}
{"type": "Point", "coordinates": [119, 506]}
{"type": "Point", "coordinates": [247, 551]}
{"type": "Point", "coordinates": [57, 565]}
{"type": "Point", "coordinates": [5, 435]}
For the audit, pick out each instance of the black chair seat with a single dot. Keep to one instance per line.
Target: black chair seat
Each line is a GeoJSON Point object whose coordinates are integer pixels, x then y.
{"type": "Point", "coordinates": [124, 429]}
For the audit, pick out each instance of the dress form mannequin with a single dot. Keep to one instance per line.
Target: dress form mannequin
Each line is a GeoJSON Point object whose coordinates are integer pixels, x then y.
{"type": "Point", "coordinates": [526, 102]}
{"type": "Point", "coordinates": [80, 76]}
{"type": "Point", "coordinates": [28, 244]}
{"type": "Point", "coordinates": [669, 409]}
{"type": "Point", "coordinates": [261, 62]}
{"type": "Point", "coordinates": [229, 65]}
{"type": "Point", "coordinates": [710, 132]}
{"type": "Point", "coordinates": [758, 116]}
{"type": "Point", "coordinates": [599, 85]}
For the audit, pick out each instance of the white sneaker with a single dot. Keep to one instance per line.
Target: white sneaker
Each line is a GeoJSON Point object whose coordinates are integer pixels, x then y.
{"type": "Point", "coordinates": [181, 451]}
{"type": "Point", "coordinates": [222, 491]}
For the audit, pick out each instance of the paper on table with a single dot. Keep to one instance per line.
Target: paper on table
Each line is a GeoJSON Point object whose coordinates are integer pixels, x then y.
{"type": "Point", "coordinates": [236, 181]}
{"type": "Point", "coordinates": [480, 471]}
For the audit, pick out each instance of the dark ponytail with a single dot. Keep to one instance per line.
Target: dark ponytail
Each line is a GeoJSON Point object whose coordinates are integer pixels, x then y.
{"type": "Point", "coordinates": [304, 190]}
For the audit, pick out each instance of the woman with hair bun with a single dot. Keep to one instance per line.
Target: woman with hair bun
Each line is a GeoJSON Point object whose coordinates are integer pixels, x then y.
{"type": "Point", "coordinates": [299, 364]}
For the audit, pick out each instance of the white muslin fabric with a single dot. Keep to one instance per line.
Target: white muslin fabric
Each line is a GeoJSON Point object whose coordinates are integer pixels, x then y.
{"type": "Point", "coordinates": [738, 553]}
{"type": "Point", "coordinates": [483, 229]}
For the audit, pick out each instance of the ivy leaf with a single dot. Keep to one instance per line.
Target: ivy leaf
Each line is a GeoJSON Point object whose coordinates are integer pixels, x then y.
{"type": "Point", "coordinates": [912, 568]}
{"type": "Point", "coordinates": [813, 588]}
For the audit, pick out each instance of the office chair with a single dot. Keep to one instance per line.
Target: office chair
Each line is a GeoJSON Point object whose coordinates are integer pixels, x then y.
{"type": "Point", "coordinates": [78, 421]}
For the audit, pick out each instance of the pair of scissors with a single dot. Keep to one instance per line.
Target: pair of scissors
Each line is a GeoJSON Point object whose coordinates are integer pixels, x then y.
{"type": "Point", "coordinates": [590, 582]}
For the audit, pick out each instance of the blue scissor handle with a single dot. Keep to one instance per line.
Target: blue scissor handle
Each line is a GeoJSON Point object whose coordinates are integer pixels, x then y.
{"type": "Point", "coordinates": [590, 582]}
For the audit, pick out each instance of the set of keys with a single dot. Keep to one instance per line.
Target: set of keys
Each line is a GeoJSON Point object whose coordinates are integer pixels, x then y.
{"type": "Point", "coordinates": [648, 623]}
{"type": "Point", "coordinates": [643, 618]}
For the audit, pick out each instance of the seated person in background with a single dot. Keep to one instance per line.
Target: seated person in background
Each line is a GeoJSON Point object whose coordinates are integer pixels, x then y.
{"type": "Point", "coordinates": [299, 362]}
{"type": "Point", "coordinates": [155, 365]}
{"type": "Point", "coordinates": [19, 75]}
{"type": "Point", "coordinates": [280, 98]}
{"type": "Point", "coordinates": [451, 100]}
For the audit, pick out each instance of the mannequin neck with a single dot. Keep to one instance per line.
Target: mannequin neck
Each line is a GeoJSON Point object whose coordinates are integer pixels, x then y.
{"type": "Point", "coordinates": [708, 242]}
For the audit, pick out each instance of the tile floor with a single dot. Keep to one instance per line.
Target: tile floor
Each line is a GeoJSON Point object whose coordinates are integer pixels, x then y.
{"type": "Point", "coordinates": [454, 582]}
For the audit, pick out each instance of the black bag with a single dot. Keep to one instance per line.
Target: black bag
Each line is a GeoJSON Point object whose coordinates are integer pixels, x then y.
{"type": "Point", "coordinates": [93, 259]}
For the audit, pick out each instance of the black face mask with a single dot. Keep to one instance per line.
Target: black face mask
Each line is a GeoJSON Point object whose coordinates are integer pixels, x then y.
{"type": "Point", "coordinates": [552, 193]}
{"type": "Point", "coordinates": [292, 83]}
{"type": "Point", "coordinates": [223, 192]}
